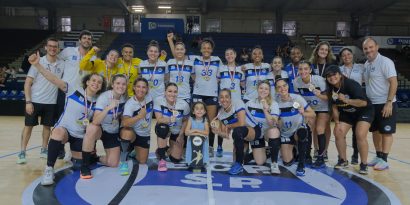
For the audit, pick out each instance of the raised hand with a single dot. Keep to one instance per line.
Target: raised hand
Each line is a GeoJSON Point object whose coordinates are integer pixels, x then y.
{"type": "Point", "coordinates": [34, 58]}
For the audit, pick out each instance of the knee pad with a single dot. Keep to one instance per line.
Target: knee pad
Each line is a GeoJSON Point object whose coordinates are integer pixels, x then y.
{"type": "Point", "coordinates": [303, 135]}
{"type": "Point", "coordinates": [162, 130]}
{"type": "Point", "coordinates": [239, 133]}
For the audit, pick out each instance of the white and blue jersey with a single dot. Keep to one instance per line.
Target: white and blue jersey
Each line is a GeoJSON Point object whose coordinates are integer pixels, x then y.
{"type": "Point", "coordinates": [355, 73]}
{"type": "Point", "coordinates": [255, 109]}
{"type": "Point", "coordinates": [182, 107]}
{"type": "Point", "coordinates": [291, 119]}
{"type": "Point", "coordinates": [231, 80]}
{"type": "Point", "coordinates": [108, 124]}
{"type": "Point", "coordinates": [231, 117]}
{"type": "Point", "coordinates": [302, 89]}
{"type": "Point", "coordinates": [133, 107]}
{"type": "Point", "coordinates": [253, 75]}
{"type": "Point", "coordinates": [206, 75]}
{"type": "Point", "coordinates": [75, 111]}
{"type": "Point", "coordinates": [155, 74]}
{"type": "Point", "coordinates": [180, 73]}
{"type": "Point", "coordinates": [292, 72]}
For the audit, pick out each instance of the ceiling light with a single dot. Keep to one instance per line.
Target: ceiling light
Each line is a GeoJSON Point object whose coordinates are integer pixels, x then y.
{"type": "Point", "coordinates": [137, 7]}
{"type": "Point", "coordinates": [164, 7]}
{"type": "Point", "coordinates": [137, 10]}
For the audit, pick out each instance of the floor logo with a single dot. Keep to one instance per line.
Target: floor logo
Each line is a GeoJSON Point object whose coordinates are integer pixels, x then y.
{"type": "Point", "coordinates": [145, 185]}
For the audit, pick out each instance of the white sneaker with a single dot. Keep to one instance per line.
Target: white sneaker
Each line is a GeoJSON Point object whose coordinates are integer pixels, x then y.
{"type": "Point", "coordinates": [274, 168]}
{"type": "Point", "coordinates": [67, 157]}
{"type": "Point", "coordinates": [374, 161]}
{"type": "Point", "coordinates": [48, 176]}
{"type": "Point", "coordinates": [381, 165]}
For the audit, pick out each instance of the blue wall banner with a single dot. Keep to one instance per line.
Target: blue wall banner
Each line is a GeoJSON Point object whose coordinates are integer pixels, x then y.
{"type": "Point", "coordinates": [157, 28]}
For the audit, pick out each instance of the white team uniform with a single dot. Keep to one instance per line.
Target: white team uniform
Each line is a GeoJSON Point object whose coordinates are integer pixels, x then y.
{"type": "Point", "coordinates": [110, 123]}
{"type": "Point", "coordinates": [206, 83]}
{"type": "Point", "coordinates": [255, 109]}
{"type": "Point", "coordinates": [291, 119]}
{"type": "Point", "coordinates": [155, 74]}
{"type": "Point", "coordinates": [75, 111]}
{"type": "Point", "coordinates": [302, 89]}
{"type": "Point", "coordinates": [180, 73]}
{"type": "Point", "coordinates": [133, 107]}
{"type": "Point", "coordinates": [355, 73]}
{"type": "Point", "coordinates": [231, 117]}
{"type": "Point", "coordinates": [182, 107]}
{"type": "Point", "coordinates": [231, 80]}
{"type": "Point", "coordinates": [253, 75]}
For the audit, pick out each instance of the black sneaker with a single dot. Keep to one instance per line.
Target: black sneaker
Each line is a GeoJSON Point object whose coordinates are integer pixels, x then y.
{"type": "Point", "coordinates": [61, 154]}
{"type": "Point", "coordinates": [300, 170]}
{"type": "Point", "coordinates": [341, 164]}
{"type": "Point", "coordinates": [319, 163]}
{"type": "Point", "coordinates": [85, 173]}
{"type": "Point", "coordinates": [355, 160]}
{"type": "Point", "coordinates": [308, 160]}
{"type": "Point", "coordinates": [288, 164]}
{"type": "Point", "coordinates": [363, 169]}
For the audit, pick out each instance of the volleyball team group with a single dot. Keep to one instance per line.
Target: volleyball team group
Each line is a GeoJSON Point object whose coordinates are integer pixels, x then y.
{"type": "Point", "coordinates": [262, 108]}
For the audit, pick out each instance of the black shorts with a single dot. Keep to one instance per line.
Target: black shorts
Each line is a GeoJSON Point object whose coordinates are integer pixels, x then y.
{"type": "Point", "coordinates": [110, 140]}
{"type": "Point", "coordinates": [288, 140]}
{"type": "Point", "coordinates": [351, 118]}
{"type": "Point", "coordinates": [76, 144]}
{"type": "Point", "coordinates": [318, 112]}
{"type": "Point", "coordinates": [208, 100]}
{"type": "Point", "coordinates": [257, 143]}
{"type": "Point", "coordinates": [45, 111]}
{"type": "Point", "coordinates": [381, 124]}
{"type": "Point", "coordinates": [258, 133]}
{"type": "Point", "coordinates": [173, 137]}
{"type": "Point", "coordinates": [142, 141]}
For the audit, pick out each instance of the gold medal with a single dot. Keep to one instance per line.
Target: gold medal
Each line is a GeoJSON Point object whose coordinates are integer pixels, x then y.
{"type": "Point", "coordinates": [144, 124]}
{"type": "Point", "coordinates": [311, 87]}
{"type": "Point", "coordinates": [86, 122]}
{"type": "Point", "coordinates": [207, 78]}
{"type": "Point", "coordinates": [175, 113]}
{"type": "Point", "coordinates": [335, 96]}
{"type": "Point", "coordinates": [296, 105]}
{"type": "Point", "coordinates": [114, 121]}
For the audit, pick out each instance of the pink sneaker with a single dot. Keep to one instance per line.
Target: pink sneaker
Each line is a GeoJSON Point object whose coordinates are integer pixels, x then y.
{"type": "Point", "coordinates": [162, 166]}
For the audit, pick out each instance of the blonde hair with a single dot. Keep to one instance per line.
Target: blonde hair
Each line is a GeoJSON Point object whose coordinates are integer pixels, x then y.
{"type": "Point", "coordinates": [269, 97]}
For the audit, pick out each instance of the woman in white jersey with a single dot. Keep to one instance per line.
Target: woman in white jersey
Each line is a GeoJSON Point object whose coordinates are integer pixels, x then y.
{"type": "Point", "coordinates": [293, 130]}
{"type": "Point", "coordinates": [312, 88]}
{"type": "Point", "coordinates": [180, 70]}
{"type": "Point", "coordinates": [236, 123]}
{"type": "Point", "coordinates": [266, 112]}
{"type": "Point", "coordinates": [254, 73]}
{"type": "Point", "coordinates": [154, 70]}
{"type": "Point", "coordinates": [77, 115]}
{"type": "Point", "coordinates": [172, 115]}
{"type": "Point", "coordinates": [232, 78]}
{"type": "Point", "coordinates": [277, 72]}
{"type": "Point", "coordinates": [355, 72]}
{"type": "Point", "coordinates": [136, 125]}
{"type": "Point", "coordinates": [322, 57]}
{"type": "Point", "coordinates": [105, 126]}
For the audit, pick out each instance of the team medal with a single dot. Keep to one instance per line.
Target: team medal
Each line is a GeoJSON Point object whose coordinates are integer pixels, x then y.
{"type": "Point", "coordinates": [151, 76]}
{"type": "Point", "coordinates": [86, 121]}
{"type": "Point", "coordinates": [180, 72]}
{"type": "Point", "coordinates": [114, 111]}
{"type": "Point", "coordinates": [311, 87]}
{"type": "Point", "coordinates": [207, 78]}
{"type": "Point", "coordinates": [175, 113]}
{"type": "Point", "coordinates": [296, 105]}
{"type": "Point", "coordinates": [334, 95]}
{"type": "Point", "coordinates": [144, 123]}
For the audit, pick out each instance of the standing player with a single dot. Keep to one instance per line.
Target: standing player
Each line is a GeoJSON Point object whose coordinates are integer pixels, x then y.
{"type": "Point", "coordinates": [155, 71]}
{"type": "Point", "coordinates": [293, 111]}
{"type": "Point", "coordinates": [105, 126]}
{"type": "Point", "coordinates": [231, 77]}
{"type": "Point", "coordinates": [254, 73]}
{"type": "Point", "coordinates": [180, 71]}
{"type": "Point", "coordinates": [311, 87]}
{"type": "Point", "coordinates": [349, 106]}
{"type": "Point", "coordinates": [277, 72]}
{"type": "Point", "coordinates": [136, 125]}
{"type": "Point", "coordinates": [106, 68]}
{"type": "Point", "coordinates": [172, 115]}
{"type": "Point", "coordinates": [296, 56]}
{"type": "Point", "coordinates": [41, 98]}
{"type": "Point", "coordinates": [78, 112]}
{"type": "Point", "coordinates": [322, 57]}
{"type": "Point", "coordinates": [355, 72]}
{"type": "Point", "coordinates": [381, 85]}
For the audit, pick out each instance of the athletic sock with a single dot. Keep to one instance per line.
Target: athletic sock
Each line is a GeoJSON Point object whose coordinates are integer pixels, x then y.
{"type": "Point", "coordinates": [54, 148]}
{"type": "Point", "coordinates": [379, 154]}
{"type": "Point", "coordinates": [274, 145]}
{"type": "Point", "coordinates": [86, 159]}
{"type": "Point", "coordinates": [384, 156]}
{"type": "Point", "coordinates": [161, 153]}
{"type": "Point", "coordinates": [321, 139]}
{"type": "Point", "coordinates": [124, 149]}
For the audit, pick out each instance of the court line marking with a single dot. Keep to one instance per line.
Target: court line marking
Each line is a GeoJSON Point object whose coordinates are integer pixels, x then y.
{"type": "Point", "coordinates": [210, 189]}
{"type": "Point", "coordinates": [393, 158]}
{"type": "Point", "coordinates": [7, 155]}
